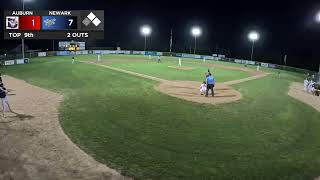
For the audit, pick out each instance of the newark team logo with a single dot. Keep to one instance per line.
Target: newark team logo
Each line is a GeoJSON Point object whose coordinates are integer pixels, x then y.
{"type": "Point", "coordinates": [12, 22]}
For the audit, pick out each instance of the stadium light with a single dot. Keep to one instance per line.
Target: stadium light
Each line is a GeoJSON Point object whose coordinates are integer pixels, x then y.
{"type": "Point", "coordinates": [253, 36]}
{"type": "Point", "coordinates": [145, 31]}
{"type": "Point", "coordinates": [196, 32]}
{"type": "Point", "coordinates": [318, 17]}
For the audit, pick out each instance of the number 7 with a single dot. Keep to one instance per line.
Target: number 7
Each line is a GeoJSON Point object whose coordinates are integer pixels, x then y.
{"type": "Point", "coordinates": [71, 21]}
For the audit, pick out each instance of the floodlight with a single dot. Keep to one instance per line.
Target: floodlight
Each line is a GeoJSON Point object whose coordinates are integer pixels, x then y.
{"type": "Point", "coordinates": [318, 17]}
{"type": "Point", "coordinates": [145, 30]}
{"type": "Point", "coordinates": [253, 36]}
{"type": "Point", "coordinates": [196, 31]}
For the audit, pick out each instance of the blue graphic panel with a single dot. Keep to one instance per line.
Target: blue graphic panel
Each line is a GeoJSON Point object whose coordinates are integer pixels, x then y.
{"type": "Point", "coordinates": [59, 22]}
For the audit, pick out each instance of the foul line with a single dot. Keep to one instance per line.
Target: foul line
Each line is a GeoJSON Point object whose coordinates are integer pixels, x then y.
{"type": "Point", "coordinates": [246, 79]}
{"type": "Point", "coordinates": [127, 72]}
{"type": "Point", "coordinates": [163, 80]}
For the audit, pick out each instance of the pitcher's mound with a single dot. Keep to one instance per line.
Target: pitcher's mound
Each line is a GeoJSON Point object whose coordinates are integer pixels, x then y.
{"type": "Point", "coordinates": [181, 68]}
{"type": "Point", "coordinates": [189, 90]}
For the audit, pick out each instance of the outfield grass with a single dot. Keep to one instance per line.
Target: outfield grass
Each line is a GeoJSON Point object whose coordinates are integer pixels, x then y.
{"type": "Point", "coordinates": [142, 64]}
{"type": "Point", "coordinates": [123, 122]}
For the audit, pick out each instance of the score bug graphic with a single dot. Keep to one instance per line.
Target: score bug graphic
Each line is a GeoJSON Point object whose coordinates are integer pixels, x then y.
{"type": "Point", "coordinates": [59, 22]}
{"type": "Point", "coordinates": [53, 24]}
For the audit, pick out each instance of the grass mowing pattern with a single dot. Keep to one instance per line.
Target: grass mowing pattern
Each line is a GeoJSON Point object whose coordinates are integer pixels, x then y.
{"type": "Point", "coordinates": [121, 121]}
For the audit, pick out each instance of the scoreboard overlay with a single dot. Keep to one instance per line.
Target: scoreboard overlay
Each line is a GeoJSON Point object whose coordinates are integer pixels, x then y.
{"type": "Point", "coordinates": [83, 24]}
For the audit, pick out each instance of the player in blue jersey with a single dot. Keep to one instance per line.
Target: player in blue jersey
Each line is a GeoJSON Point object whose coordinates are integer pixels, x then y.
{"type": "Point", "coordinates": [210, 80]}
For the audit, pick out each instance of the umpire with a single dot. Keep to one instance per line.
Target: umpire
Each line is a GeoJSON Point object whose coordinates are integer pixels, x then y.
{"type": "Point", "coordinates": [210, 84]}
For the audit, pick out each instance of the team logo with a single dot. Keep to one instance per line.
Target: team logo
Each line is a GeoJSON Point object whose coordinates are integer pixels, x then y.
{"type": "Point", "coordinates": [50, 22]}
{"type": "Point", "coordinates": [12, 22]}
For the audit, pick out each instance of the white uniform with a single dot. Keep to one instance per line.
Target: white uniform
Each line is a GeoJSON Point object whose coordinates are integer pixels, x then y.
{"type": "Point", "coordinates": [310, 86]}
{"type": "Point", "coordinates": [305, 84]}
{"type": "Point", "coordinates": [4, 101]}
{"type": "Point", "coordinates": [5, 104]}
{"type": "Point", "coordinates": [203, 88]}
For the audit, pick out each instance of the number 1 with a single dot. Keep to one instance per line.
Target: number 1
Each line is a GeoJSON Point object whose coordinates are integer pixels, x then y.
{"type": "Point", "coordinates": [32, 22]}
{"type": "Point", "coordinates": [71, 21]}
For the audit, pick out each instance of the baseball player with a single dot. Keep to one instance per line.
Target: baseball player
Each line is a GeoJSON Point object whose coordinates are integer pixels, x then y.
{"type": "Point", "coordinates": [210, 81]}
{"type": "Point", "coordinates": [4, 99]}
{"type": "Point", "coordinates": [203, 88]}
{"type": "Point", "coordinates": [305, 84]}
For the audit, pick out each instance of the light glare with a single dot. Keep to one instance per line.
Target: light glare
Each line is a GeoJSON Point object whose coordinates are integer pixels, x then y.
{"type": "Point", "coordinates": [196, 31]}
{"type": "Point", "coordinates": [145, 30]}
{"type": "Point", "coordinates": [318, 17]}
{"type": "Point", "coordinates": [253, 36]}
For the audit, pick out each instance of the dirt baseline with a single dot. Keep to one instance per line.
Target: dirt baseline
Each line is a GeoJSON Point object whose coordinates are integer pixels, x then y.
{"type": "Point", "coordinates": [189, 90]}
{"type": "Point", "coordinates": [296, 91]}
{"type": "Point", "coordinates": [33, 146]}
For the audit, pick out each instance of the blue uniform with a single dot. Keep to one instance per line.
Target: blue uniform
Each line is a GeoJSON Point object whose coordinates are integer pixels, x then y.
{"type": "Point", "coordinates": [210, 84]}
{"type": "Point", "coordinates": [210, 80]}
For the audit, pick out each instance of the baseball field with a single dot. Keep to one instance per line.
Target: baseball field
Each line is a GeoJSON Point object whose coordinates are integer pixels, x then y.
{"type": "Point", "coordinates": [148, 120]}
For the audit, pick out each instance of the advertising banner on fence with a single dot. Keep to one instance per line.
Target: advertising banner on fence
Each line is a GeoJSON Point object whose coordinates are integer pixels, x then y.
{"type": "Point", "coordinates": [82, 52]}
{"type": "Point", "coordinates": [207, 57]}
{"type": "Point", "coordinates": [8, 63]}
{"type": "Point", "coordinates": [20, 61]}
{"type": "Point", "coordinates": [272, 66]}
{"type": "Point", "coordinates": [265, 65]}
{"type": "Point", "coordinates": [159, 53]}
{"type": "Point", "coordinates": [97, 52]}
{"type": "Point", "coordinates": [122, 52]}
{"type": "Point", "coordinates": [138, 52]}
{"type": "Point", "coordinates": [63, 53]}
{"type": "Point", "coordinates": [187, 55]}
{"type": "Point", "coordinates": [250, 62]}
{"type": "Point", "coordinates": [151, 53]}
{"type": "Point", "coordinates": [238, 61]}
{"type": "Point", "coordinates": [42, 54]}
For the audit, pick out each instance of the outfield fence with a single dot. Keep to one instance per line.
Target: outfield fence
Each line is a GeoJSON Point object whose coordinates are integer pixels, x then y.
{"type": "Point", "coordinates": [11, 59]}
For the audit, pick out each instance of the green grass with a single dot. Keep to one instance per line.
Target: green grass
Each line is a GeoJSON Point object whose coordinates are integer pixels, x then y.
{"type": "Point", "coordinates": [123, 122]}
{"type": "Point", "coordinates": [142, 64]}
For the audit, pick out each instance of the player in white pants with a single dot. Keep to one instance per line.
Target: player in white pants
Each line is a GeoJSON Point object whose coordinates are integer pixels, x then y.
{"type": "Point", "coordinates": [203, 88]}
{"type": "Point", "coordinates": [310, 86]}
{"type": "Point", "coordinates": [305, 84]}
{"type": "Point", "coordinates": [4, 100]}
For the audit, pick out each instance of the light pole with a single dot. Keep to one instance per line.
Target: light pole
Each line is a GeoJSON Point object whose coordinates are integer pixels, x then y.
{"type": "Point", "coordinates": [145, 31]}
{"type": "Point", "coordinates": [22, 41]}
{"type": "Point", "coordinates": [318, 21]}
{"type": "Point", "coordinates": [196, 32]}
{"type": "Point", "coordinates": [253, 36]}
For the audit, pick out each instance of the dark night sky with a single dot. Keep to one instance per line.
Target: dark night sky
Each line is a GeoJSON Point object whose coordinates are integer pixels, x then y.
{"type": "Point", "coordinates": [285, 26]}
